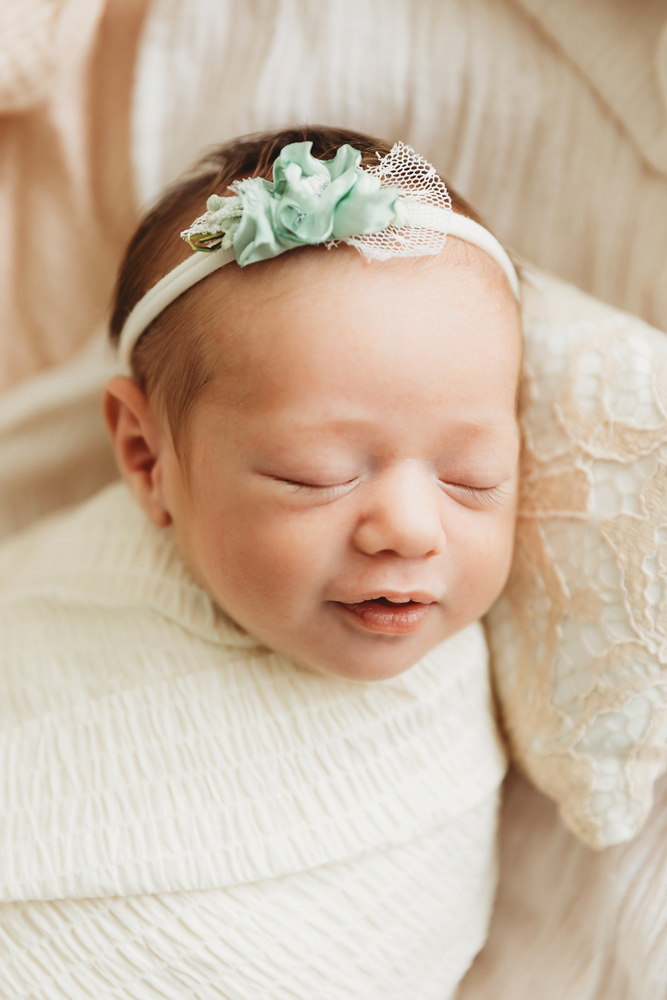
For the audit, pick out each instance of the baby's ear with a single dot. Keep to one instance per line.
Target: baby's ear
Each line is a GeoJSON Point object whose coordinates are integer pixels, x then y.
{"type": "Point", "coordinates": [139, 443]}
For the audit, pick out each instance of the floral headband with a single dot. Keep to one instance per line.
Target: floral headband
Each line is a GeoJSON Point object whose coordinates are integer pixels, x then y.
{"type": "Point", "coordinates": [397, 208]}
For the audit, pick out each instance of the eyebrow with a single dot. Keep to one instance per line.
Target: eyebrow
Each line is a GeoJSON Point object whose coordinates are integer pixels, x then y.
{"type": "Point", "coordinates": [473, 432]}
{"type": "Point", "coordinates": [493, 430]}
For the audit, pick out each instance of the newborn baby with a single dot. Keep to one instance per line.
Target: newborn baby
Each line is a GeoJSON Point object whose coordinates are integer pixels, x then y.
{"type": "Point", "coordinates": [335, 443]}
{"type": "Point", "coordinates": [259, 694]}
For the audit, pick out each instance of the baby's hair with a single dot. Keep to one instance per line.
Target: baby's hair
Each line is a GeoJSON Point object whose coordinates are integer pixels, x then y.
{"type": "Point", "coordinates": [170, 367]}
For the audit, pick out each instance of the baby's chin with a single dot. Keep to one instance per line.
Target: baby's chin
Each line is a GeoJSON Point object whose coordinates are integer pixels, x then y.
{"type": "Point", "coordinates": [379, 659]}
{"type": "Point", "coordinates": [363, 673]}
{"type": "Point", "coordinates": [331, 645]}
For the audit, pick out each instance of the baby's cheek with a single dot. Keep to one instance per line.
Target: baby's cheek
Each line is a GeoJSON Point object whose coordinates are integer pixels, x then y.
{"type": "Point", "coordinates": [500, 551]}
{"type": "Point", "coordinates": [485, 565]}
{"type": "Point", "coordinates": [274, 558]}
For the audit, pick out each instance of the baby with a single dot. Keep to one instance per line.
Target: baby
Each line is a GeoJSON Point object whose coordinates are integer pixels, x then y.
{"type": "Point", "coordinates": [319, 448]}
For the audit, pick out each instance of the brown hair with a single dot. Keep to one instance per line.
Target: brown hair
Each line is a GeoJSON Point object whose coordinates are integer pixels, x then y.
{"type": "Point", "coordinates": [170, 368]}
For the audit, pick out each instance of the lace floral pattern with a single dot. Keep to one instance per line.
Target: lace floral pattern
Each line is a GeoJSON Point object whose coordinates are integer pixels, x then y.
{"type": "Point", "coordinates": [579, 637]}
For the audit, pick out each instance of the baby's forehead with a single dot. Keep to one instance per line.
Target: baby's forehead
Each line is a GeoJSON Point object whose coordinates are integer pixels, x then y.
{"type": "Point", "coordinates": [325, 328]}
{"type": "Point", "coordinates": [342, 272]}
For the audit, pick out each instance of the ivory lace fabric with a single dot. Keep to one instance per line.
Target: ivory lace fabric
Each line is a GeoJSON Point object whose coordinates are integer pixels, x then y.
{"type": "Point", "coordinates": [579, 637]}
{"type": "Point", "coordinates": [187, 814]}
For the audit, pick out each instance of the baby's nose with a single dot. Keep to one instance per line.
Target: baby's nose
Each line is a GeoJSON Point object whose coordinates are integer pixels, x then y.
{"type": "Point", "coordinates": [403, 514]}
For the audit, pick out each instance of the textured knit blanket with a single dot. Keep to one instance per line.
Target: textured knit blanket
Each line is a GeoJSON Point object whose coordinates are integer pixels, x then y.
{"type": "Point", "coordinates": [185, 813]}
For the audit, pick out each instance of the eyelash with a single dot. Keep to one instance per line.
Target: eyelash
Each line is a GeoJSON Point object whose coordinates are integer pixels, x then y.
{"type": "Point", "coordinates": [300, 487]}
{"type": "Point", "coordinates": [490, 495]}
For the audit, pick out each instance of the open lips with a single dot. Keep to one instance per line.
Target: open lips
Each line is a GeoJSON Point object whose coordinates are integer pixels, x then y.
{"type": "Point", "coordinates": [398, 615]}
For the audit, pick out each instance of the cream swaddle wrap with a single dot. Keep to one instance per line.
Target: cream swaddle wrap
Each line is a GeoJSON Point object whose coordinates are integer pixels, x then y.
{"type": "Point", "coordinates": [190, 814]}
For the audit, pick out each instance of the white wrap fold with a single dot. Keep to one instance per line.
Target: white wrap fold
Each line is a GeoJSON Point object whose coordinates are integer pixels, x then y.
{"type": "Point", "coordinates": [185, 813]}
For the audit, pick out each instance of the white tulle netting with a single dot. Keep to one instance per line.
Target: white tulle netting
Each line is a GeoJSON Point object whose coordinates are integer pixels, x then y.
{"type": "Point", "coordinates": [421, 191]}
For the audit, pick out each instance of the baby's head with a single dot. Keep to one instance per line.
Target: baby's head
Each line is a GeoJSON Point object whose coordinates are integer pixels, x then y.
{"type": "Point", "coordinates": [333, 440]}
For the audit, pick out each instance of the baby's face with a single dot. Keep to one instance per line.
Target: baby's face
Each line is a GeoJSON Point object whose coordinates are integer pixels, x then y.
{"type": "Point", "coordinates": [350, 491]}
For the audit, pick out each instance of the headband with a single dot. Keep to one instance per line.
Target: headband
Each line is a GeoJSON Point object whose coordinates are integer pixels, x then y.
{"type": "Point", "coordinates": [399, 207]}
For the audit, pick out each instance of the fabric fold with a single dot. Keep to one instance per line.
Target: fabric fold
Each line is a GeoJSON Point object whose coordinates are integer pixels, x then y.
{"type": "Point", "coordinates": [149, 745]}
{"type": "Point", "coordinates": [621, 50]}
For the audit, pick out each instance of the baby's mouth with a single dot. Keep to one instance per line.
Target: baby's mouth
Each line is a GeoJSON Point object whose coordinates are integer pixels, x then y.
{"type": "Point", "coordinates": [388, 617]}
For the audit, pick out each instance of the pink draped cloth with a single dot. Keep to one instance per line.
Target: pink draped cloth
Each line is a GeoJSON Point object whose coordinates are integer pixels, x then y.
{"type": "Point", "coordinates": [66, 198]}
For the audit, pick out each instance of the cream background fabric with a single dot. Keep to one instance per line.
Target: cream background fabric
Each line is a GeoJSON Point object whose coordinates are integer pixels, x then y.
{"type": "Point", "coordinates": [539, 113]}
{"type": "Point", "coordinates": [166, 777]}
{"type": "Point", "coordinates": [621, 49]}
{"type": "Point", "coordinates": [475, 86]}
{"type": "Point", "coordinates": [571, 923]}
{"type": "Point", "coordinates": [54, 448]}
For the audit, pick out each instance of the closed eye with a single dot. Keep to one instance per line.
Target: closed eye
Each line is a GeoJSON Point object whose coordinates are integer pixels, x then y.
{"type": "Point", "coordinates": [490, 496]}
{"type": "Point", "coordinates": [298, 486]}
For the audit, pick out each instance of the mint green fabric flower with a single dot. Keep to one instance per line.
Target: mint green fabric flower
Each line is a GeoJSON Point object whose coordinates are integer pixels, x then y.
{"type": "Point", "coordinates": [309, 201]}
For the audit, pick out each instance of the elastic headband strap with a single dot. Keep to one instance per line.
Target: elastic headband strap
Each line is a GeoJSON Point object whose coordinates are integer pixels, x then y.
{"type": "Point", "coordinates": [200, 265]}
{"type": "Point", "coordinates": [471, 231]}
{"type": "Point", "coordinates": [167, 290]}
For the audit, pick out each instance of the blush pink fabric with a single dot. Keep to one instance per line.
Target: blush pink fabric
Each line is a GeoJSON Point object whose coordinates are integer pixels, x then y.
{"type": "Point", "coordinates": [66, 203]}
